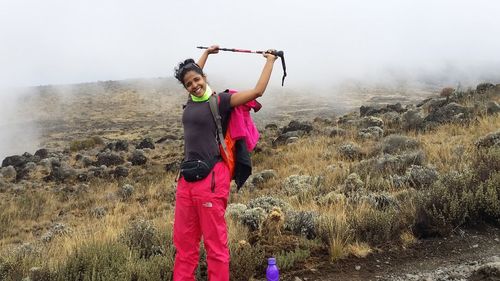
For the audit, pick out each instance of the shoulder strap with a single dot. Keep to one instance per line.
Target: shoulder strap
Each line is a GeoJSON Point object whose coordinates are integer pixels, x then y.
{"type": "Point", "coordinates": [214, 108]}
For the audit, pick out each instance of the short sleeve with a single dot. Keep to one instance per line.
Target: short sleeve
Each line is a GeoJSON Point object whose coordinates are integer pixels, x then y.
{"type": "Point", "coordinates": [225, 103]}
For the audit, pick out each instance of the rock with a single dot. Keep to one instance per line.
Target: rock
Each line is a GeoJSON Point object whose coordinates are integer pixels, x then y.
{"type": "Point", "coordinates": [489, 271]}
{"type": "Point", "coordinates": [283, 138]}
{"type": "Point", "coordinates": [449, 113]}
{"type": "Point", "coordinates": [146, 143]}
{"type": "Point", "coordinates": [119, 145]}
{"type": "Point", "coordinates": [97, 172]}
{"type": "Point", "coordinates": [16, 161]}
{"type": "Point", "coordinates": [484, 87]}
{"type": "Point", "coordinates": [489, 140]}
{"type": "Point", "coordinates": [291, 140]}
{"type": "Point", "coordinates": [42, 153]}
{"type": "Point", "coordinates": [138, 158]}
{"type": "Point", "coordinates": [413, 120]}
{"type": "Point", "coordinates": [492, 107]}
{"type": "Point", "coordinates": [298, 126]}
{"type": "Point", "coordinates": [167, 138]}
{"type": "Point", "coordinates": [120, 172]}
{"type": "Point", "coordinates": [61, 173]}
{"type": "Point", "coordinates": [109, 159]}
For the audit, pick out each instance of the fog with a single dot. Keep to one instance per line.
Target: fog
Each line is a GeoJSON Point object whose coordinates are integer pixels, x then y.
{"type": "Point", "coordinates": [61, 42]}
{"type": "Point", "coordinates": [444, 42]}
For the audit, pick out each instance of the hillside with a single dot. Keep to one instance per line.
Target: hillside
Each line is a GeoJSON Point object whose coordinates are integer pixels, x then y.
{"type": "Point", "coordinates": [347, 182]}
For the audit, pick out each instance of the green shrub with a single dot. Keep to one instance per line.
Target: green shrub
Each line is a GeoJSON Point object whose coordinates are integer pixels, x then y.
{"type": "Point", "coordinates": [287, 260]}
{"type": "Point", "coordinates": [375, 226]}
{"type": "Point", "coordinates": [486, 162]}
{"type": "Point", "coordinates": [488, 199]}
{"type": "Point", "coordinates": [445, 205]}
{"type": "Point", "coordinates": [143, 237]}
{"type": "Point", "coordinates": [245, 259]}
{"type": "Point", "coordinates": [154, 268]}
{"type": "Point", "coordinates": [96, 261]}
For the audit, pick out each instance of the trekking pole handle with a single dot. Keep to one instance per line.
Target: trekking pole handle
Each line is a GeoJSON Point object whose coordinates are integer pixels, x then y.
{"type": "Point", "coordinates": [279, 54]}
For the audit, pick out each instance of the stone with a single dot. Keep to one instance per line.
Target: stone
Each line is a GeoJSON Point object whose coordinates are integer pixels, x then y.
{"type": "Point", "coordinates": [138, 158]}
{"type": "Point", "coordinates": [146, 143]}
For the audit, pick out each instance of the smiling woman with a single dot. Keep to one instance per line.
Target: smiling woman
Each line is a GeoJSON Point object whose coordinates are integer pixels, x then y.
{"type": "Point", "coordinates": [203, 188]}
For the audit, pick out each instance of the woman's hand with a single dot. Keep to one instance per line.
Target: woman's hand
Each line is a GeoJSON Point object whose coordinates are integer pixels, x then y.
{"type": "Point", "coordinates": [214, 49]}
{"type": "Point", "coordinates": [269, 55]}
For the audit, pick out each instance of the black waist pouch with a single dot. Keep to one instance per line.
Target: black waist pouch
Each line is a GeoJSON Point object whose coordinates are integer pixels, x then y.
{"type": "Point", "coordinates": [195, 170]}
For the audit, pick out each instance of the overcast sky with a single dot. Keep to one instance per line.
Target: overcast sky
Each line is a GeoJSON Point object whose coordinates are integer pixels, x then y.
{"type": "Point", "coordinates": [61, 41]}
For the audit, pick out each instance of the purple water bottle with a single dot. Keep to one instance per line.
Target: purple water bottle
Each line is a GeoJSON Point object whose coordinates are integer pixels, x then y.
{"type": "Point", "coordinates": [272, 272]}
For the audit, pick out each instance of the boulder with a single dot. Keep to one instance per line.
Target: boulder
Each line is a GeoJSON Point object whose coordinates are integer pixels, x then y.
{"type": "Point", "coordinates": [413, 119]}
{"type": "Point", "coordinates": [109, 159]}
{"type": "Point", "coordinates": [298, 126]}
{"type": "Point", "coordinates": [484, 87]}
{"type": "Point", "coordinates": [449, 113]}
{"type": "Point", "coordinates": [146, 143]}
{"type": "Point", "coordinates": [492, 107]}
{"type": "Point", "coordinates": [138, 158]}
{"type": "Point", "coordinates": [489, 140]}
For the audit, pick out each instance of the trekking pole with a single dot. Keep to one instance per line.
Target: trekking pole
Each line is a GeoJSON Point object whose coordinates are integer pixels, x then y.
{"type": "Point", "coordinates": [279, 54]}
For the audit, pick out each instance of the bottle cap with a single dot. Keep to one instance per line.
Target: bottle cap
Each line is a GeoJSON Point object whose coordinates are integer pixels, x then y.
{"type": "Point", "coordinates": [271, 261]}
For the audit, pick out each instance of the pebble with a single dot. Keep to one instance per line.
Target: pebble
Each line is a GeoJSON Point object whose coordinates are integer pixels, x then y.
{"type": "Point", "coordinates": [357, 267]}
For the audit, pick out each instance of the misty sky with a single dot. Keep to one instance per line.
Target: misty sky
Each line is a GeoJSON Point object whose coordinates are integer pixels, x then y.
{"type": "Point", "coordinates": [60, 42]}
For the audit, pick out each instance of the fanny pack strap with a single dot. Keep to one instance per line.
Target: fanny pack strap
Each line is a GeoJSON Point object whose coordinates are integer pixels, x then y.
{"type": "Point", "coordinates": [214, 108]}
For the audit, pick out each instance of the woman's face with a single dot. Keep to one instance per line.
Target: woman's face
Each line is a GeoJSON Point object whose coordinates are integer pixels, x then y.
{"type": "Point", "coordinates": [195, 83]}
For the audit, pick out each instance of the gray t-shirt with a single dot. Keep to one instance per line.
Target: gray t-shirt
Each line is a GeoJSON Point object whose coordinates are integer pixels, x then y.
{"type": "Point", "coordinates": [200, 131]}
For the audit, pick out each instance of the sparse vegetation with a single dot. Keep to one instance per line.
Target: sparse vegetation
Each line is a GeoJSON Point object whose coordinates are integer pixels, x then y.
{"type": "Point", "coordinates": [333, 194]}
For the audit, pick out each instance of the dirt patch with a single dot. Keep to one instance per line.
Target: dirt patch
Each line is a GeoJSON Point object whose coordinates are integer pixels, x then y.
{"type": "Point", "coordinates": [451, 258]}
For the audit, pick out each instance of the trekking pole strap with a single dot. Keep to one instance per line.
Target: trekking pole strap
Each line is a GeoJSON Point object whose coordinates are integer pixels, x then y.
{"type": "Point", "coordinates": [214, 108]}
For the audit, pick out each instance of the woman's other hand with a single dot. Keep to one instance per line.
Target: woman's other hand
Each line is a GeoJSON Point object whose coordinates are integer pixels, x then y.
{"type": "Point", "coordinates": [269, 55]}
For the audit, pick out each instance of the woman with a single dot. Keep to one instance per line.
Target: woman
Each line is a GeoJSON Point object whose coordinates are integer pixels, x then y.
{"type": "Point", "coordinates": [201, 202]}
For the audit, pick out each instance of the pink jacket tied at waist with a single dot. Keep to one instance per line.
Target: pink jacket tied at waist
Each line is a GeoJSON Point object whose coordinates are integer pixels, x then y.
{"type": "Point", "coordinates": [241, 125]}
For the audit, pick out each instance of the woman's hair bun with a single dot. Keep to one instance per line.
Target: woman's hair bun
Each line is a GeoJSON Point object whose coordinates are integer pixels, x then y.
{"type": "Point", "coordinates": [184, 67]}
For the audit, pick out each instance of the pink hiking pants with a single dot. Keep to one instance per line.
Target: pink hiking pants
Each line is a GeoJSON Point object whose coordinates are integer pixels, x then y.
{"type": "Point", "coordinates": [199, 211]}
